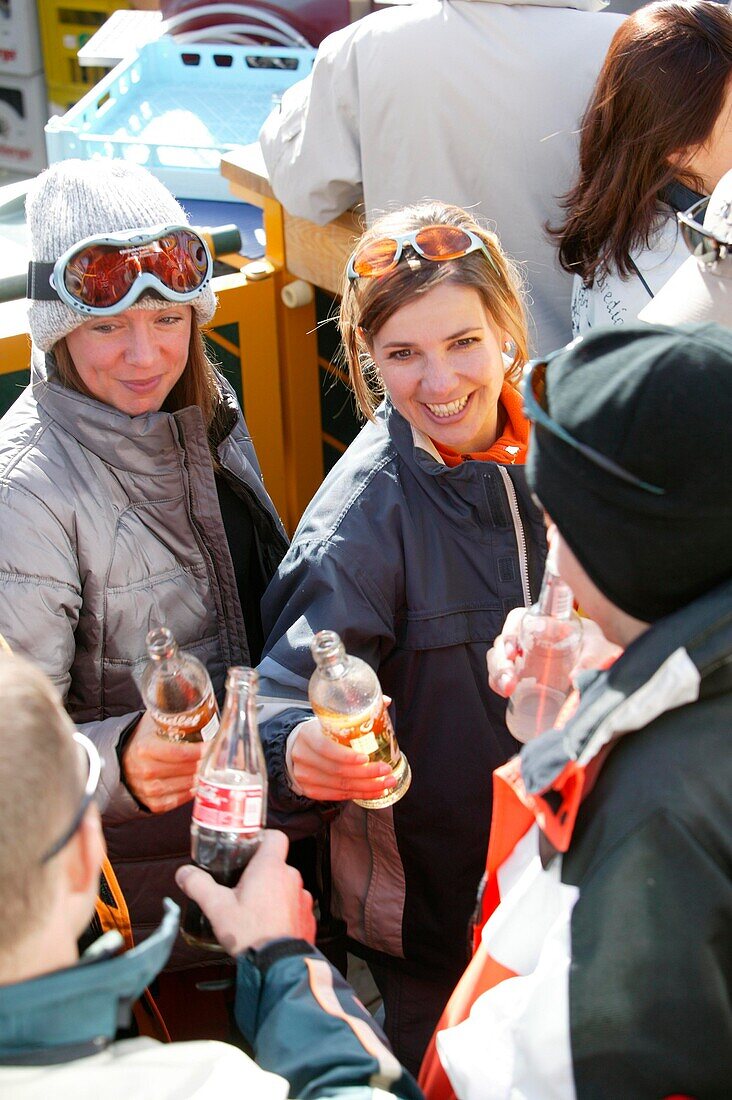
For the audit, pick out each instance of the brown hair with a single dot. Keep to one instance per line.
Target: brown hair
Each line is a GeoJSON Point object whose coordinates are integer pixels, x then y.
{"type": "Point", "coordinates": [659, 93]}
{"type": "Point", "coordinates": [367, 304]}
{"type": "Point", "coordinates": [196, 386]}
{"type": "Point", "coordinates": [40, 787]}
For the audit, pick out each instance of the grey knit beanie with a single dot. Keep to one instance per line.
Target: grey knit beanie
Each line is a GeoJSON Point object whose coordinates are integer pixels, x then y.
{"type": "Point", "coordinates": [75, 199]}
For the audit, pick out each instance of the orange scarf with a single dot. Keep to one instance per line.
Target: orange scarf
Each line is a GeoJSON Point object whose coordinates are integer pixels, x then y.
{"type": "Point", "coordinates": [510, 447]}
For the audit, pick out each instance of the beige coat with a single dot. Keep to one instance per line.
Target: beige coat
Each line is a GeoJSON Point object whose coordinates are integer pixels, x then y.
{"type": "Point", "coordinates": [475, 103]}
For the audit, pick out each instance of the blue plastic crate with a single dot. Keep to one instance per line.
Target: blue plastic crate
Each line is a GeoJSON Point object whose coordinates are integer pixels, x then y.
{"type": "Point", "coordinates": [176, 108]}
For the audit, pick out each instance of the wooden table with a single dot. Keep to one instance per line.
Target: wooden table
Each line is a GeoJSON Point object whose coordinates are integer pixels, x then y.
{"type": "Point", "coordinates": [297, 251]}
{"type": "Point", "coordinates": [316, 253]}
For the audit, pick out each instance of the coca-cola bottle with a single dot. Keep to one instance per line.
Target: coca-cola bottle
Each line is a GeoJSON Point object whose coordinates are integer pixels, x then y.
{"type": "Point", "coordinates": [548, 647]}
{"type": "Point", "coordinates": [177, 691]}
{"type": "Point", "coordinates": [346, 697]}
{"type": "Point", "coordinates": [230, 805]}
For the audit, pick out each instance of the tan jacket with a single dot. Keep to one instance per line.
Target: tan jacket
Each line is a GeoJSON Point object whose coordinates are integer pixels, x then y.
{"type": "Point", "coordinates": [477, 104]}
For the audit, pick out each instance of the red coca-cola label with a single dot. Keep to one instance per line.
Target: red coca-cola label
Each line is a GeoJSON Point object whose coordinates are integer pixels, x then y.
{"type": "Point", "coordinates": [230, 809]}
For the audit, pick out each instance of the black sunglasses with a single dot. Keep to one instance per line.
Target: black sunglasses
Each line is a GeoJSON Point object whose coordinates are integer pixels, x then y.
{"type": "Point", "coordinates": [90, 790]}
{"type": "Point", "coordinates": [702, 244]}
{"type": "Point", "coordinates": [534, 395]}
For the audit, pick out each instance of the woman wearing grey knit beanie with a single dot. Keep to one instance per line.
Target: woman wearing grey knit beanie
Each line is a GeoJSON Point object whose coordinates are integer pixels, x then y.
{"type": "Point", "coordinates": [130, 495]}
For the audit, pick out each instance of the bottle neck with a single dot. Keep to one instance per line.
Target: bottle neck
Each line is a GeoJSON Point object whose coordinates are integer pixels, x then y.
{"type": "Point", "coordinates": [556, 599]}
{"type": "Point", "coordinates": [161, 645]}
{"type": "Point", "coordinates": [329, 654]}
{"type": "Point", "coordinates": [241, 693]}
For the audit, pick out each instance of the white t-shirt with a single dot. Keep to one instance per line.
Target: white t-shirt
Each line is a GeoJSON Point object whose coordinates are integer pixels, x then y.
{"type": "Point", "coordinates": [615, 301]}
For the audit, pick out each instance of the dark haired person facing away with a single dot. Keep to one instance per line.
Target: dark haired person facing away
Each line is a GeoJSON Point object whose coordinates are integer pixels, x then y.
{"type": "Point", "coordinates": [656, 137]}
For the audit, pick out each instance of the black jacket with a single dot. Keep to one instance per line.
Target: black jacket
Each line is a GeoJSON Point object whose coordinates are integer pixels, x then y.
{"type": "Point", "coordinates": [415, 565]}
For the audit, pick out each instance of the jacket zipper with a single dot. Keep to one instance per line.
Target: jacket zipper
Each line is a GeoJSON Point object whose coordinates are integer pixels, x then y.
{"type": "Point", "coordinates": [520, 535]}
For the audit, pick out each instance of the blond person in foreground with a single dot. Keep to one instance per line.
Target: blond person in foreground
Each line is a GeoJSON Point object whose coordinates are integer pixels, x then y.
{"type": "Point", "coordinates": [59, 1013]}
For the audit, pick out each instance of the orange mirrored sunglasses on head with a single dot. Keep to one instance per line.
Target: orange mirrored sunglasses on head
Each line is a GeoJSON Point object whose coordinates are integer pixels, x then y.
{"type": "Point", "coordinates": [435, 242]}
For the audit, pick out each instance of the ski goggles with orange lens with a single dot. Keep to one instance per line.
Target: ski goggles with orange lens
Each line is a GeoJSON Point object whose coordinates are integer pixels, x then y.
{"type": "Point", "coordinates": [535, 408]}
{"type": "Point", "coordinates": [106, 275]}
{"type": "Point", "coordinates": [702, 244]}
{"type": "Point", "coordinates": [435, 242]}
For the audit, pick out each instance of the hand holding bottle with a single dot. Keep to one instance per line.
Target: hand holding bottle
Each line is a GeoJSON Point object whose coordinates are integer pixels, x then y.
{"type": "Point", "coordinates": [269, 901]}
{"type": "Point", "coordinates": [329, 772]}
{"type": "Point", "coordinates": [595, 652]}
{"type": "Point", "coordinates": [346, 697]}
{"type": "Point", "coordinates": [161, 774]}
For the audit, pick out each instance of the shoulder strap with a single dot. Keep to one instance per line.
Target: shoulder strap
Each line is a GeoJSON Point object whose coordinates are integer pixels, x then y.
{"type": "Point", "coordinates": [39, 287]}
{"type": "Point", "coordinates": [634, 265]}
{"type": "Point", "coordinates": [112, 913]}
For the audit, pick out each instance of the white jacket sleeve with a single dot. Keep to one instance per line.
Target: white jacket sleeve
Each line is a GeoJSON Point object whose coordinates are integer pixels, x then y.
{"type": "Point", "coordinates": [311, 142]}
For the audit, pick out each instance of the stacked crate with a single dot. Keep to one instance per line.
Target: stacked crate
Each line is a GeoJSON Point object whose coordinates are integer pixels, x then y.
{"type": "Point", "coordinates": [23, 110]}
{"type": "Point", "coordinates": [65, 27]}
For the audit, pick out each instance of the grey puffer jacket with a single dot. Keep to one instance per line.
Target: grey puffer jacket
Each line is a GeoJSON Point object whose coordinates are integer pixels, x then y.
{"type": "Point", "coordinates": [109, 525]}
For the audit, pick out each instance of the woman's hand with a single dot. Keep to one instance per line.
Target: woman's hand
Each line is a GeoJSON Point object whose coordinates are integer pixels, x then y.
{"type": "Point", "coordinates": [329, 772]}
{"type": "Point", "coordinates": [595, 652]}
{"type": "Point", "coordinates": [268, 903]}
{"type": "Point", "coordinates": [161, 774]}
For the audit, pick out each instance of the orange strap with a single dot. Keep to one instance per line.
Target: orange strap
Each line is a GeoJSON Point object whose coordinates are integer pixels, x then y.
{"type": "Point", "coordinates": [111, 906]}
{"type": "Point", "coordinates": [114, 915]}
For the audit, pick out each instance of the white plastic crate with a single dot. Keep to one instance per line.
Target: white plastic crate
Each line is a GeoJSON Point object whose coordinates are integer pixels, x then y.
{"type": "Point", "coordinates": [176, 108]}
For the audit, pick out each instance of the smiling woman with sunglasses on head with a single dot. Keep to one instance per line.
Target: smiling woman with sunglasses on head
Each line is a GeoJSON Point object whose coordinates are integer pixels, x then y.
{"type": "Point", "coordinates": [130, 494]}
{"type": "Point", "coordinates": [413, 550]}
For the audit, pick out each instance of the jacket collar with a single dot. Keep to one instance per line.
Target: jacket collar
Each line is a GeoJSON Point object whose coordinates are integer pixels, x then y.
{"type": "Point", "coordinates": [462, 491]}
{"type": "Point", "coordinates": [136, 444]}
{"type": "Point", "coordinates": [459, 492]}
{"type": "Point", "coordinates": [76, 1012]}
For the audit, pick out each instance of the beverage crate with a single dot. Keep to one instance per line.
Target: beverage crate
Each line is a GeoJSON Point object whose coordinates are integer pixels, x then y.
{"type": "Point", "coordinates": [20, 43]}
{"type": "Point", "coordinates": [65, 26]}
{"type": "Point", "coordinates": [176, 108]}
{"type": "Point", "coordinates": [23, 113]}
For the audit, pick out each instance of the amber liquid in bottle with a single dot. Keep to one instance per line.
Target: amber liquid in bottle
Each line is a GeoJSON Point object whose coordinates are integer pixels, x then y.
{"type": "Point", "coordinates": [346, 697]}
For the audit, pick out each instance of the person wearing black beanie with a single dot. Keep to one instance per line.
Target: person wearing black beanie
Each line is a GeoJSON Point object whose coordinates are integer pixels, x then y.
{"type": "Point", "coordinates": [603, 965]}
{"type": "Point", "coordinates": [658, 402]}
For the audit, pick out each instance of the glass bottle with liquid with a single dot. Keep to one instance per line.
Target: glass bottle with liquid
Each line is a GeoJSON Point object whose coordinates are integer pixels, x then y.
{"type": "Point", "coordinates": [346, 697]}
{"type": "Point", "coordinates": [548, 647]}
{"type": "Point", "coordinates": [177, 691]}
{"type": "Point", "coordinates": [230, 804]}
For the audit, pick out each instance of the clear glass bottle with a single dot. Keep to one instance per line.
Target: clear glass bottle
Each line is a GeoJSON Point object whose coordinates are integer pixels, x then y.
{"type": "Point", "coordinates": [346, 697]}
{"type": "Point", "coordinates": [548, 648]}
{"type": "Point", "coordinates": [177, 691]}
{"type": "Point", "coordinates": [230, 805]}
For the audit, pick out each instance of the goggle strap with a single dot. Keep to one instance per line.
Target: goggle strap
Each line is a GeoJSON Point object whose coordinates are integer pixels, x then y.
{"type": "Point", "coordinates": [39, 287]}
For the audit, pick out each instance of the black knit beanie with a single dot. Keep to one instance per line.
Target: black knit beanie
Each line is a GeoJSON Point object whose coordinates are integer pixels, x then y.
{"type": "Point", "coordinates": [658, 402]}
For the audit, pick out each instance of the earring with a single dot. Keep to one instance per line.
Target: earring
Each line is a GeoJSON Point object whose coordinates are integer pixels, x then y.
{"type": "Point", "coordinates": [506, 345]}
